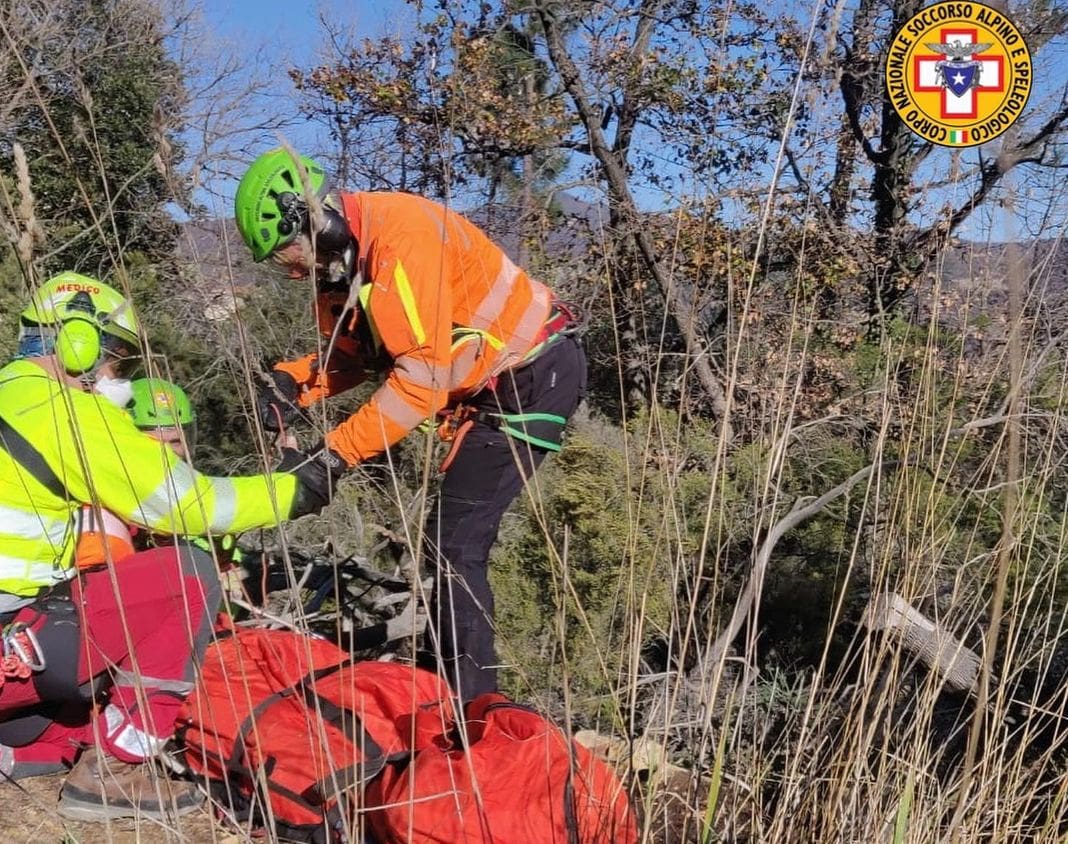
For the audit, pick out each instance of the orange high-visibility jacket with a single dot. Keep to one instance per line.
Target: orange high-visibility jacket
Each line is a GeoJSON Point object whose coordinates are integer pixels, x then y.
{"type": "Point", "coordinates": [444, 303]}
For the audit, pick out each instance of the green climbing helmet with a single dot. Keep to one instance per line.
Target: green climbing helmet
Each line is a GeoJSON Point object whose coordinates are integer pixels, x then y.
{"type": "Point", "coordinates": [159, 404]}
{"type": "Point", "coordinates": [270, 207]}
{"type": "Point", "coordinates": [74, 298]}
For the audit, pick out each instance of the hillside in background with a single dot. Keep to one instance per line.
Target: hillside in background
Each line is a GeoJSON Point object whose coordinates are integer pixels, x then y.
{"type": "Point", "coordinates": [974, 272]}
{"type": "Point", "coordinates": [1045, 263]}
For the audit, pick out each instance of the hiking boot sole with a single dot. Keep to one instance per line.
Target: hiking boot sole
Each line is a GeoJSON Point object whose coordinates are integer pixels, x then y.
{"type": "Point", "coordinates": [26, 770]}
{"type": "Point", "coordinates": [75, 805]}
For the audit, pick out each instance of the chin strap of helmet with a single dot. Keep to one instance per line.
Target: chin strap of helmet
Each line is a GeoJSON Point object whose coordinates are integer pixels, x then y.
{"type": "Point", "coordinates": [335, 237]}
{"type": "Point", "coordinates": [341, 267]}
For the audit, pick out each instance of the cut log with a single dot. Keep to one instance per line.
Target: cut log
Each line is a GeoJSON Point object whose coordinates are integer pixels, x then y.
{"type": "Point", "coordinates": [957, 664]}
{"type": "Point", "coordinates": [641, 756]}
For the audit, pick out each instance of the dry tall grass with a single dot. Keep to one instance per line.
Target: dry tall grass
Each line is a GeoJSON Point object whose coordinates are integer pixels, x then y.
{"type": "Point", "coordinates": [871, 746]}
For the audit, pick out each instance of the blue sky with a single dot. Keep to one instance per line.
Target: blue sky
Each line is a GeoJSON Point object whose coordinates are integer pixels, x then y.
{"type": "Point", "coordinates": [294, 27]}
{"type": "Point", "coordinates": [273, 36]}
{"type": "Point", "coordinates": [291, 34]}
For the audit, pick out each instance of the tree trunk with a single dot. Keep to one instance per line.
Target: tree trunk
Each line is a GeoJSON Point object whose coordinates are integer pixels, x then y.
{"type": "Point", "coordinates": [624, 208]}
{"type": "Point", "coordinates": [857, 81]}
{"type": "Point", "coordinates": [894, 170]}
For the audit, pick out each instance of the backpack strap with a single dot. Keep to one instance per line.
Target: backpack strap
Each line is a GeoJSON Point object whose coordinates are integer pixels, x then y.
{"type": "Point", "coordinates": [345, 720]}
{"type": "Point", "coordinates": [233, 764]}
{"type": "Point", "coordinates": [23, 453]}
{"type": "Point", "coordinates": [288, 794]}
{"type": "Point", "coordinates": [349, 723]}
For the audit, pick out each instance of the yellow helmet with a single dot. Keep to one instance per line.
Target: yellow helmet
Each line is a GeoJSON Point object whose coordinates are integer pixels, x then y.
{"type": "Point", "coordinates": [79, 319]}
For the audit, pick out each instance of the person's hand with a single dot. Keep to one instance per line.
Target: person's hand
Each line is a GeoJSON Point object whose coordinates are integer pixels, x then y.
{"type": "Point", "coordinates": [276, 404]}
{"type": "Point", "coordinates": [317, 472]}
{"type": "Point", "coordinates": [223, 549]}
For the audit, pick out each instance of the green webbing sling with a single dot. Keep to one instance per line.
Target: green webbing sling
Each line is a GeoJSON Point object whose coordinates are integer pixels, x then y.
{"type": "Point", "coordinates": [540, 433]}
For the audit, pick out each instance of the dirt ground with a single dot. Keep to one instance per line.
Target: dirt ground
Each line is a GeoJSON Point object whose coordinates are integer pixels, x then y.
{"type": "Point", "coordinates": [29, 817]}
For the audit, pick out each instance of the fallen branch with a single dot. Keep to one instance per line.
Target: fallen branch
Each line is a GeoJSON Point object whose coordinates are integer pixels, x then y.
{"type": "Point", "coordinates": [802, 509]}
{"type": "Point", "coordinates": [957, 664]}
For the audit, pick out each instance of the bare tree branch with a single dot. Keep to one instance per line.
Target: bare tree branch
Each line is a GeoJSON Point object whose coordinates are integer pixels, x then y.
{"type": "Point", "coordinates": [802, 509]}
{"type": "Point", "coordinates": [619, 192]}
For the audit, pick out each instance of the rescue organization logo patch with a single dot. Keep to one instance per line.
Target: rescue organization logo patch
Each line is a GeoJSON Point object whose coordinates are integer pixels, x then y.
{"type": "Point", "coordinates": [958, 74]}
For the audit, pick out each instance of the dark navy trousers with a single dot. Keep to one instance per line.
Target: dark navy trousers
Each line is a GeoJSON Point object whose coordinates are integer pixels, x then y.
{"type": "Point", "coordinates": [487, 474]}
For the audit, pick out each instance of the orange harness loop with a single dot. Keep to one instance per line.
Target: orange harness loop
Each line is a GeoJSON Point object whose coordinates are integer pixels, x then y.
{"type": "Point", "coordinates": [455, 424]}
{"type": "Point", "coordinates": [457, 441]}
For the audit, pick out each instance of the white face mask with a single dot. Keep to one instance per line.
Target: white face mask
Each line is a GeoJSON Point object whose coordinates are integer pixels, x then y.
{"type": "Point", "coordinates": [118, 391]}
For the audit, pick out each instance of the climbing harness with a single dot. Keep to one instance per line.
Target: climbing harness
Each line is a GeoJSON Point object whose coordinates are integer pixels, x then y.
{"type": "Point", "coordinates": [543, 430]}
{"type": "Point", "coordinates": [563, 321]}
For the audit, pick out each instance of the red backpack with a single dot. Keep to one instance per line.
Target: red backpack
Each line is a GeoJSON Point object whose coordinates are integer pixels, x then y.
{"type": "Point", "coordinates": [287, 729]}
{"type": "Point", "coordinates": [519, 781]}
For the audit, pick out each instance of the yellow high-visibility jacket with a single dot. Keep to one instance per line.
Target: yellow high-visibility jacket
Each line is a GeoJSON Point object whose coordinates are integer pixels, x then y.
{"type": "Point", "coordinates": [99, 457]}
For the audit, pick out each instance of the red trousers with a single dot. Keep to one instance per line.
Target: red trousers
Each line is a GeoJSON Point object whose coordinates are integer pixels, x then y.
{"type": "Point", "coordinates": [144, 624]}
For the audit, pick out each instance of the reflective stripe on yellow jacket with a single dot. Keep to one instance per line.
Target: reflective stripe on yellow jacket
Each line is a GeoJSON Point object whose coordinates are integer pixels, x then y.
{"type": "Point", "coordinates": [447, 305]}
{"type": "Point", "coordinates": [101, 458]}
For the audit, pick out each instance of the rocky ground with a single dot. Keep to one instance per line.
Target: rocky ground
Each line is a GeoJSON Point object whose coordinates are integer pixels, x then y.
{"type": "Point", "coordinates": [29, 817]}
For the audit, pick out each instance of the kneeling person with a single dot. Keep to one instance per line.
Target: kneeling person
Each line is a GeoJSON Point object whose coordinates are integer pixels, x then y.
{"type": "Point", "coordinates": [163, 411]}
{"type": "Point", "coordinates": [139, 627]}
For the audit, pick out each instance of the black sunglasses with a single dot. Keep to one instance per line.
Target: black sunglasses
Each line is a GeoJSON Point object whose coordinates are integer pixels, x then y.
{"type": "Point", "coordinates": [124, 358]}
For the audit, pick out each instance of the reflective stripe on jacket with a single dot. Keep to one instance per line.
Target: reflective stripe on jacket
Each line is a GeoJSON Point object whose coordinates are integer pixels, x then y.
{"type": "Point", "coordinates": [100, 457]}
{"type": "Point", "coordinates": [445, 304]}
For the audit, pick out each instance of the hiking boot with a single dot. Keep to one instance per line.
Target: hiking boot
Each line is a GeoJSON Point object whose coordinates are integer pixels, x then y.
{"type": "Point", "coordinates": [101, 787]}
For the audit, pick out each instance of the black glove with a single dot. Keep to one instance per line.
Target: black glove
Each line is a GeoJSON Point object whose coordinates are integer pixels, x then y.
{"type": "Point", "coordinates": [317, 472]}
{"type": "Point", "coordinates": [276, 403]}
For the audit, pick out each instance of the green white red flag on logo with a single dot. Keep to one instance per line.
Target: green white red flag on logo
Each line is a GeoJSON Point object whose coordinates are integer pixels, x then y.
{"type": "Point", "coordinates": [958, 73]}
